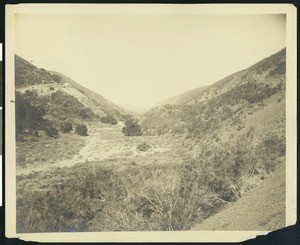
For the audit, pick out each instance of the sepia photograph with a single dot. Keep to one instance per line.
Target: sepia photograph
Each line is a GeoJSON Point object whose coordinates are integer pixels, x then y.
{"type": "Point", "coordinates": [129, 119]}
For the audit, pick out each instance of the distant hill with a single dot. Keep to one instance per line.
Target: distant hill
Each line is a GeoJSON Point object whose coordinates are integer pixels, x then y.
{"type": "Point", "coordinates": [58, 98]}
{"type": "Point", "coordinates": [134, 109]}
{"type": "Point", "coordinates": [185, 97]}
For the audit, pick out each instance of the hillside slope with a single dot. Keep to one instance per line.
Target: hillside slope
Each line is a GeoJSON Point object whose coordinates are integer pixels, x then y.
{"type": "Point", "coordinates": [262, 209]}
{"type": "Point", "coordinates": [185, 97]}
{"type": "Point", "coordinates": [96, 100]}
{"type": "Point", "coordinates": [46, 100]}
{"type": "Point", "coordinates": [259, 71]}
{"type": "Point", "coordinates": [233, 135]}
{"type": "Point", "coordinates": [225, 104]}
{"type": "Point", "coordinates": [46, 83]}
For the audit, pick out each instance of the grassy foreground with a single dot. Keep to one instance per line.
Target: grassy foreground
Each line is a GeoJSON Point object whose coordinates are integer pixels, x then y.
{"type": "Point", "coordinates": [143, 193]}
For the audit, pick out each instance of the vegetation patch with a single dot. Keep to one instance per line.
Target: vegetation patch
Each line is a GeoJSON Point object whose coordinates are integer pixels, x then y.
{"type": "Point", "coordinates": [132, 128]}
{"type": "Point", "coordinates": [66, 127]}
{"type": "Point", "coordinates": [109, 120]}
{"type": "Point", "coordinates": [45, 151]}
{"type": "Point", "coordinates": [81, 129]}
{"type": "Point", "coordinates": [143, 146]}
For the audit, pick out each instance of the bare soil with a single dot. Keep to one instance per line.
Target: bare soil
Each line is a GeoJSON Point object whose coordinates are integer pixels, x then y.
{"type": "Point", "coordinates": [262, 208]}
{"type": "Point", "coordinates": [105, 144]}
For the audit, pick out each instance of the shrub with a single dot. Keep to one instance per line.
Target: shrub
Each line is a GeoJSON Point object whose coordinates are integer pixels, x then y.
{"type": "Point", "coordinates": [56, 78]}
{"type": "Point", "coordinates": [132, 128]}
{"type": "Point", "coordinates": [270, 150]}
{"type": "Point", "coordinates": [279, 69]}
{"type": "Point", "coordinates": [81, 129]}
{"type": "Point", "coordinates": [49, 129]}
{"type": "Point", "coordinates": [66, 127]}
{"type": "Point", "coordinates": [28, 116]}
{"type": "Point", "coordinates": [109, 120]}
{"type": "Point", "coordinates": [86, 113]}
{"type": "Point", "coordinates": [143, 146]}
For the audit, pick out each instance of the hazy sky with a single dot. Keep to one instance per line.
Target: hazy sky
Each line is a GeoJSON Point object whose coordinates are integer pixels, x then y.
{"type": "Point", "coordinates": [140, 60]}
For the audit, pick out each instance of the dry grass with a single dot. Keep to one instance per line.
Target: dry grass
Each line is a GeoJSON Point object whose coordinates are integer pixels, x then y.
{"type": "Point", "coordinates": [152, 190]}
{"type": "Point", "coordinates": [45, 150]}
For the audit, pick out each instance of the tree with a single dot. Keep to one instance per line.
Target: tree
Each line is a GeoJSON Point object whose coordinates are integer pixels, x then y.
{"type": "Point", "coordinates": [28, 116]}
{"type": "Point", "coordinates": [132, 128]}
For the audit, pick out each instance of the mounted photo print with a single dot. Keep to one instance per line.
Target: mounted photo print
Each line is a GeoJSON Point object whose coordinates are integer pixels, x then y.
{"type": "Point", "coordinates": [146, 123]}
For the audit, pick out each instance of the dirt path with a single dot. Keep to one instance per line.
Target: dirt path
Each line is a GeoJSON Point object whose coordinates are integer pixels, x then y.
{"type": "Point", "coordinates": [262, 208]}
{"type": "Point", "coordinates": [108, 142]}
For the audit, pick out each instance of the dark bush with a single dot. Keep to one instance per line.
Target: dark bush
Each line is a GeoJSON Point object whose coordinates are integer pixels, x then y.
{"type": "Point", "coordinates": [81, 129]}
{"type": "Point", "coordinates": [28, 116]}
{"type": "Point", "coordinates": [66, 127]}
{"type": "Point", "coordinates": [86, 113]}
{"type": "Point", "coordinates": [132, 128]}
{"type": "Point", "coordinates": [143, 146]}
{"type": "Point", "coordinates": [109, 120]}
{"type": "Point", "coordinates": [49, 129]}
{"type": "Point", "coordinates": [279, 69]}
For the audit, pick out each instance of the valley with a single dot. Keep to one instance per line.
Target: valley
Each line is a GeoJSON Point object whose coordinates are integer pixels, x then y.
{"type": "Point", "coordinates": [105, 143]}
{"type": "Point", "coordinates": [85, 164]}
